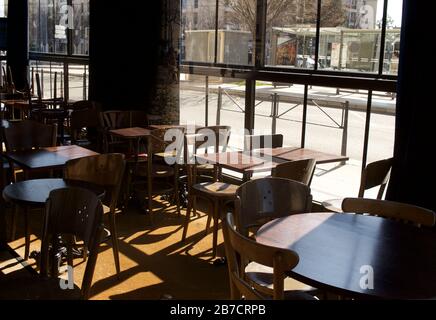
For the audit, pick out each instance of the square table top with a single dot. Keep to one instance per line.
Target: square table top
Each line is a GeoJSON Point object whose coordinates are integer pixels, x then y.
{"type": "Point", "coordinates": [296, 153]}
{"type": "Point", "coordinates": [131, 133]}
{"type": "Point", "coordinates": [48, 158]}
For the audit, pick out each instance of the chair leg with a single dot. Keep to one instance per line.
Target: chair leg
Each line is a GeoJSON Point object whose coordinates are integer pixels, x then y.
{"type": "Point", "coordinates": [150, 207]}
{"type": "Point", "coordinates": [14, 222]}
{"type": "Point", "coordinates": [215, 227]}
{"type": "Point", "coordinates": [187, 217]}
{"type": "Point", "coordinates": [209, 217]}
{"type": "Point", "coordinates": [26, 234]}
{"type": "Point", "coordinates": [177, 195]}
{"type": "Point", "coordinates": [195, 206]}
{"type": "Point", "coordinates": [114, 238]}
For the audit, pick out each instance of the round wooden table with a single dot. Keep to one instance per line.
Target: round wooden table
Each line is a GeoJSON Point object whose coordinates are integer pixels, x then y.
{"type": "Point", "coordinates": [36, 192]}
{"type": "Point", "coordinates": [347, 253]}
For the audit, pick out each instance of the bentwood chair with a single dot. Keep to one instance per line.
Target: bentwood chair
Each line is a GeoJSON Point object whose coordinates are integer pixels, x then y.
{"type": "Point", "coordinates": [390, 210]}
{"type": "Point", "coordinates": [23, 136]}
{"type": "Point", "coordinates": [107, 171]}
{"type": "Point", "coordinates": [300, 170]}
{"type": "Point", "coordinates": [159, 174]}
{"type": "Point", "coordinates": [217, 193]}
{"type": "Point", "coordinates": [253, 142]}
{"type": "Point", "coordinates": [375, 174]}
{"type": "Point", "coordinates": [70, 212]}
{"type": "Point", "coordinates": [240, 248]}
{"type": "Point", "coordinates": [260, 201]}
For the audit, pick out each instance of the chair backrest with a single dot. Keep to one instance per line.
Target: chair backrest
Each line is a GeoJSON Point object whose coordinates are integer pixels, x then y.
{"type": "Point", "coordinates": [115, 119]}
{"type": "Point", "coordinates": [262, 200]}
{"type": "Point", "coordinates": [27, 134]}
{"type": "Point", "coordinates": [240, 248]}
{"type": "Point", "coordinates": [73, 212]}
{"type": "Point", "coordinates": [160, 139]}
{"type": "Point", "coordinates": [213, 137]}
{"type": "Point", "coordinates": [106, 170]}
{"type": "Point", "coordinates": [263, 141]}
{"type": "Point", "coordinates": [300, 170]}
{"type": "Point", "coordinates": [376, 174]}
{"type": "Point", "coordinates": [390, 209]}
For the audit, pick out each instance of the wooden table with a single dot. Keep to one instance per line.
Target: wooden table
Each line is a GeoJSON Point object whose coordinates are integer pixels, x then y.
{"type": "Point", "coordinates": [21, 104]}
{"type": "Point", "coordinates": [187, 127]}
{"type": "Point", "coordinates": [47, 158]}
{"type": "Point", "coordinates": [263, 160]}
{"type": "Point", "coordinates": [34, 193]}
{"type": "Point", "coordinates": [335, 251]}
{"type": "Point", "coordinates": [131, 133]}
{"type": "Point", "coordinates": [295, 153]}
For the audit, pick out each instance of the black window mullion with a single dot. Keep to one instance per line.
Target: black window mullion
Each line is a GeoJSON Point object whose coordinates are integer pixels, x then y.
{"type": "Point", "coordinates": [259, 46]}
{"type": "Point", "coordinates": [383, 38]}
{"type": "Point", "coordinates": [318, 31]}
{"type": "Point", "coordinates": [215, 58]}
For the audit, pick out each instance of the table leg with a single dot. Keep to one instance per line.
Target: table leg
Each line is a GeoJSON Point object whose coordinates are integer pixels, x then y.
{"type": "Point", "coordinates": [3, 236]}
{"type": "Point", "coordinates": [26, 233]}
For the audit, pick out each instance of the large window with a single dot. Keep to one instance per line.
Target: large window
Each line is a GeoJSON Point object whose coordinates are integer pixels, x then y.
{"type": "Point", "coordinates": [324, 79]}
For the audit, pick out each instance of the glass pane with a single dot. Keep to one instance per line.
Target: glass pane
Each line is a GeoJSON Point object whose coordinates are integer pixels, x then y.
{"type": "Point", "coordinates": [78, 82]}
{"type": "Point", "coordinates": [3, 8]}
{"type": "Point", "coordinates": [81, 27]}
{"type": "Point", "coordinates": [51, 77]}
{"type": "Point", "coordinates": [336, 120]}
{"type": "Point", "coordinates": [392, 46]}
{"type": "Point", "coordinates": [350, 35]}
{"type": "Point", "coordinates": [48, 26]}
{"type": "Point", "coordinates": [236, 32]}
{"type": "Point", "coordinates": [290, 33]}
{"type": "Point", "coordinates": [279, 110]}
{"type": "Point", "coordinates": [198, 30]}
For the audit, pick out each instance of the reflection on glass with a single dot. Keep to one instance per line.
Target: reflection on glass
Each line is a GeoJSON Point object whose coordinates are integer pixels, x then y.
{"type": "Point", "coordinates": [3, 8]}
{"type": "Point", "coordinates": [392, 44]}
{"type": "Point", "coordinates": [48, 26]}
{"type": "Point", "coordinates": [236, 31]}
{"type": "Point", "coordinates": [81, 27]}
{"type": "Point", "coordinates": [290, 33]}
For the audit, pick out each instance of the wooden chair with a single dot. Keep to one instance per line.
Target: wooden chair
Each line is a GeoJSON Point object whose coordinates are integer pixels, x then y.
{"type": "Point", "coordinates": [160, 177]}
{"type": "Point", "coordinates": [85, 128]}
{"type": "Point", "coordinates": [215, 192]}
{"type": "Point", "coordinates": [300, 170]}
{"type": "Point", "coordinates": [260, 201]}
{"type": "Point", "coordinates": [110, 120]}
{"type": "Point", "coordinates": [28, 134]}
{"type": "Point", "coordinates": [391, 210]}
{"type": "Point", "coordinates": [106, 170]}
{"type": "Point", "coordinates": [213, 139]}
{"type": "Point", "coordinates": [279, 261]}
{"type": "Point", "coordinates": [70, 212]}
{"type": "Point", "coordinates": [375, 174]}
{"type": "Point", "coordinates": [23, 136]}
{"type": "Point", "coordinates": [263, 141]}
